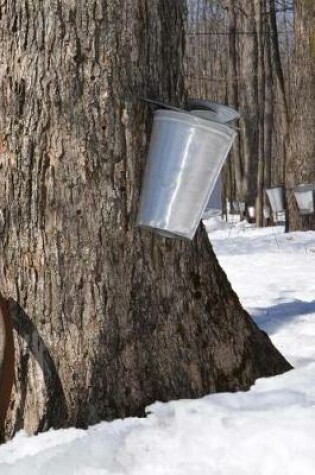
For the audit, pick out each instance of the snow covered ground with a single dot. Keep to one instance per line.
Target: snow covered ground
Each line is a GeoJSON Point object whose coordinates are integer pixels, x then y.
{"type": "Point", "coordinates": [269, 430]}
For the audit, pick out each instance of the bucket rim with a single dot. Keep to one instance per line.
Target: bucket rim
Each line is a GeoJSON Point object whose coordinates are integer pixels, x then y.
{"type": "Point", "coordinates": [187, 117]}
{"type": "Point", "coordinates": [274, 187]}
{"type": "Point", "coordinates": [164, 232]}
{"type": "Point", "coordinates": [304, 211]}
{"type": "Point", "coordinates": [231, 114]}
{"type": "Point", "coordinates": [209, 115]}
{"type": "Point", "coordinates": [304, 187]}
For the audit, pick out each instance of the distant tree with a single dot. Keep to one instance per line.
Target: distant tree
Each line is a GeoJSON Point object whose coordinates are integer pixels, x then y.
{"type": "Point", "coordinates": [107, 318]}
{"type": "Point", "coordinates": [301, 163]}
{"type": "Point", "coordinates": [242, 56]}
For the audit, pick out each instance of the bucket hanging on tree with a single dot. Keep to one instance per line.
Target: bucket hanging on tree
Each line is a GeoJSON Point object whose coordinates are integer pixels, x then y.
{"type": "Point", "coordinates": [185, 158]}
{"type": "Point", "coordinates": [214, 205]}
{"type": "Point", "coordinates": [304, 195]}
{"type": "Point", "coordinates": [275, 196]}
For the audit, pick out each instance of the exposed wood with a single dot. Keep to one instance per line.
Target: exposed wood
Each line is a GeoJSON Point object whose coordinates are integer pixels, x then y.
{"type": "Point", "coordinates": [6, 363]}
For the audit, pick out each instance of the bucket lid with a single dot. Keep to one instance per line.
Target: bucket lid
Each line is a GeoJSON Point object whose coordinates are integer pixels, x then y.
{"type": "Point", "coordinates": [274, 188]}
{"type": "Point", "coordinates": [204, 109]}
{"type": "Point", "coordinates": [160, 104]}
{"type": "Point", "coordinates": [213, 110]}
{"type": "Point", "coordinates": [186, 118]}
{"type": "Point", "coordinates": [305, 187]}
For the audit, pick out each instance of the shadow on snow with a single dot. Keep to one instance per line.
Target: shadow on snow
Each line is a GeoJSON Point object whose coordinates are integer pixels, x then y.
{"type": "Point", "coordinates": [272, 318]}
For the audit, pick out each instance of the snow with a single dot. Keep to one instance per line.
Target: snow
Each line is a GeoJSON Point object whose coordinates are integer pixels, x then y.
{"type": "Point", "coordinates": [268, 430]}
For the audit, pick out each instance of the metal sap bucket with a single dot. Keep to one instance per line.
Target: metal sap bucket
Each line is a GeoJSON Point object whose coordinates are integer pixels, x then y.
{"type": "Point", "coordinates": [185, 158]}
{"type": "Point", "coordinates": [214, 206]}
{"type": "Point", "coordinates": [236, 206]}
{"type": "Point", "coordinates": [304, 195]}
{"type": "Point", "coordinates": [242, 206]}
{"type": "Point", "coordinates": [275, 196]}
{"type": "Point", "coordinates": [251, 212]}
{"type": "Point", "coordinates": [267, 212]}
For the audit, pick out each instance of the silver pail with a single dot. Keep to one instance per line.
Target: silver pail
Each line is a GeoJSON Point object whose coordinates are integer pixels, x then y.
{"type": "Point", "coordinates": [304, 195]}
{"type": "Point", "coordinates": [275, 196]}
{"type": "Point", "coordinates": [267, 212]}
{"type": "Point", "coordinates": [214, 205]}
{"type": "Point", "coordinates": [242, 206]}
{"type": "Point", "coordinates": [236, 206]}
{"type": "Point", "coordinates": [251, 212]}
{"type": "Point", "coordinates": [185, 158]}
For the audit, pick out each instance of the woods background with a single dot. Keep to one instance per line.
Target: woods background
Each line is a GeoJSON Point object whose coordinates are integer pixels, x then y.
{"type": "Point", "coordinates": [259, 56]}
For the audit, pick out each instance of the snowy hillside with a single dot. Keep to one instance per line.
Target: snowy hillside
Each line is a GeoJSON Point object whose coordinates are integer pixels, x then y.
{"type": "Point", "coordinates": [269, 430]}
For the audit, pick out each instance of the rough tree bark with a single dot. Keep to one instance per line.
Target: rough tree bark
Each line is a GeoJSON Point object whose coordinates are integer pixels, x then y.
{"type": "Point", "coordinates": [237, 45]}
{"type": "Point", "coordinates": [260, 18]}
{"type": "Point", "coordinates": [301, 164]}
{"type": "Point", "coordinates": [244, 91]}
{"type": "Point", "coordinates": [269, 109]}
{"type": "Point", "coordinates": [235, 162]}
{"type": "Point", "coordinates": [107, 318]}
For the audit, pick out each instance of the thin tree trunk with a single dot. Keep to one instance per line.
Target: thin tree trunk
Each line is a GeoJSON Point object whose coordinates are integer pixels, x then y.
{"type": "Point", "coordinates": [107, 318]}
{"type": "Point", "coordinates": [269, 109]}
{"type": "Point", "coordinates": [260, 26]}
{"type": "Point", "coordinates": [301, 166]}
{"type": "Point", "coordinates": [248, 97]}
{"type": "Point", "coordinates": [233, 94]}
{"type": "Point", "coordinates": [283, 107]}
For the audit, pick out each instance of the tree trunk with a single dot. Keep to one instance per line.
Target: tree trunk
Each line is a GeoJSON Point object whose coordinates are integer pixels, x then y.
{"type": "Point", "coordinates": [260, 14]}
{"type": "Point", "coordinates": [243, 91]}
{"type": "Point", "coordinates": [269, 108]}
{"type": "Point", "coordinates": [301, 166]}
{"type": "Point", "coordinates": [107, 318]}
{"type": "Point", "coordinates": [233, 97]}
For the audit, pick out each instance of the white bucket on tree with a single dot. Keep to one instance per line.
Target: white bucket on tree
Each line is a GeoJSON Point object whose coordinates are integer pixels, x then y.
{"type": "Point", "coordinates": [185, 158]}
{"type": "Point", "coordinates": [236, 206]}
{"type": "Point", "coordinates": [267, 212]}
{"type": "Point", "coordinates": [275, 196]}
{"type": "Point", "coordinates": [214, 205]}
{"type": "Point", "coordinates": [242, 206]}
{"type": "Point", "coordinates": [251, 212]}
{"type": "Point", "coordinates": [304, 195]}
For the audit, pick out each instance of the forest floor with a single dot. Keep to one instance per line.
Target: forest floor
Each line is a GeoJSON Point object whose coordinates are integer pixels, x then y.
{"type": "Point", "coordinates": [268, 430]}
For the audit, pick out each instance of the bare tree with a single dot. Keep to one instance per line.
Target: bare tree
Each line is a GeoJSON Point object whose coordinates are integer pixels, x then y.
{"type": "Point", "coordinates": [301, 164]}
{"type": "Point", "coordinates": [249, 46]}
{"type": "Point", "coordinates": [107, 318]}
